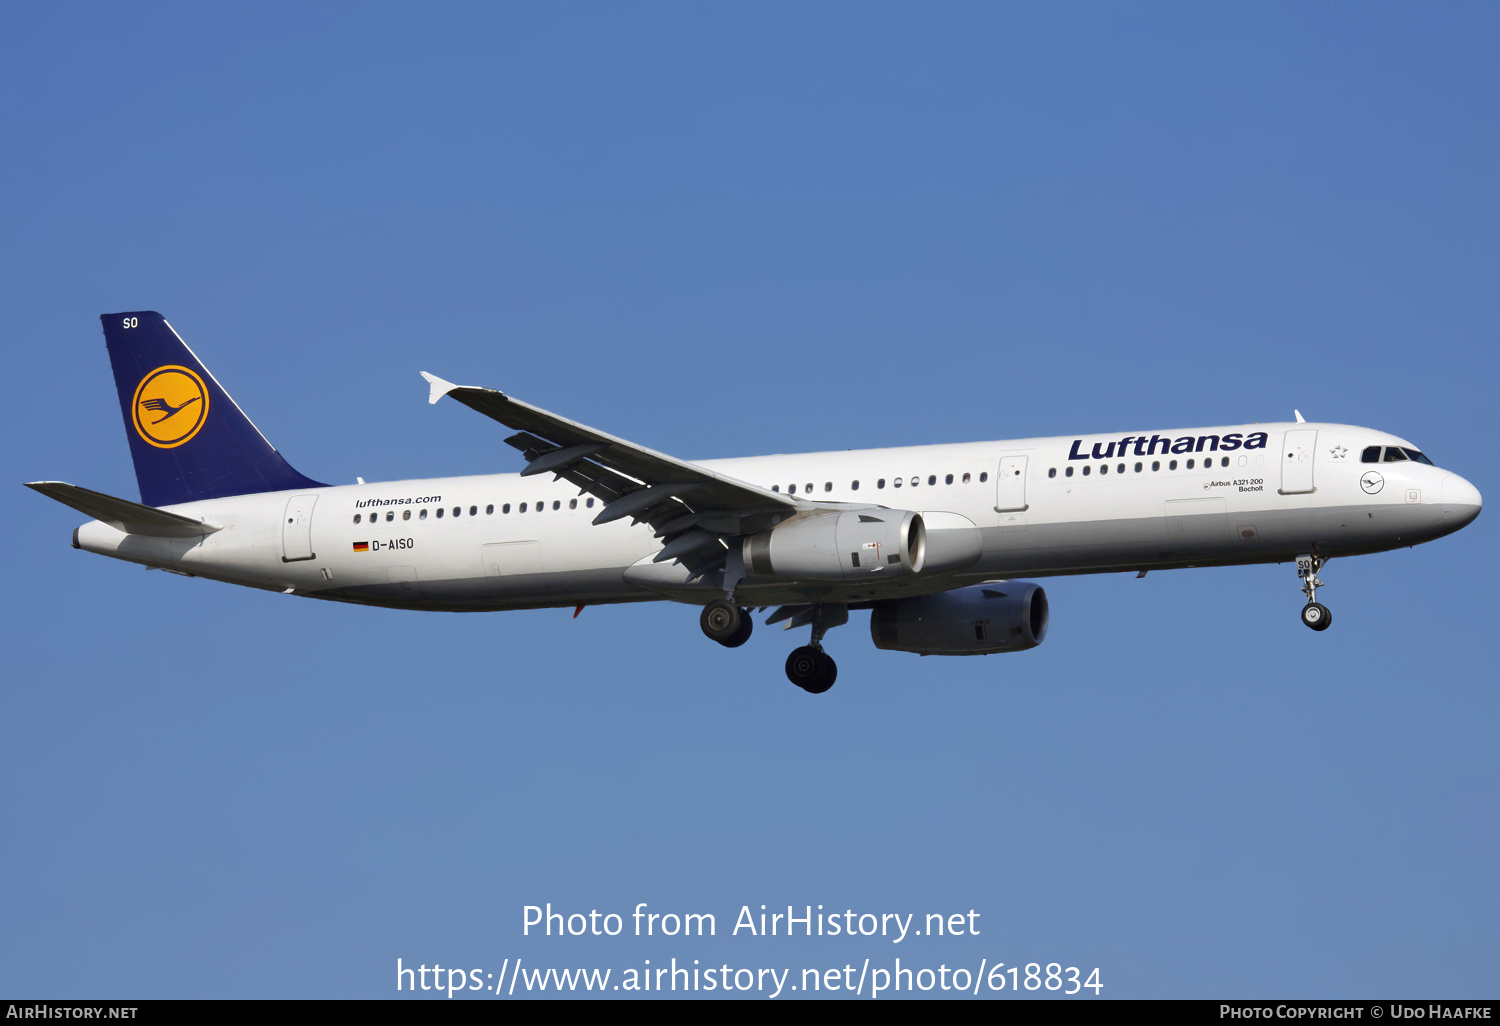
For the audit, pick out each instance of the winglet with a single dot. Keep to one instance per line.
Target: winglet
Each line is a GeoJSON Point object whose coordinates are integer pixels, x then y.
{"type": "Point", "coordinates": [1297, 413]}
{"type": "Point", "coordinates": [440, 387]}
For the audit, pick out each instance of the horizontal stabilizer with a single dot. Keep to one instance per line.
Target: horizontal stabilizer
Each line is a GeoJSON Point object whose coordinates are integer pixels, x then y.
{"type": "Point", "coordinates": [122, 514]}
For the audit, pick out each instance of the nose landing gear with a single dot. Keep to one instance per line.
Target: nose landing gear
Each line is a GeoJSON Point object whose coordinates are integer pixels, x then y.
{"type": "Point", "coordinates": [1314, 614]}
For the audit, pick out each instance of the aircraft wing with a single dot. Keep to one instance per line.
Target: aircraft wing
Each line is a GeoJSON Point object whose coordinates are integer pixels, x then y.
{"type": "Point", "coordinates": [691, 507]}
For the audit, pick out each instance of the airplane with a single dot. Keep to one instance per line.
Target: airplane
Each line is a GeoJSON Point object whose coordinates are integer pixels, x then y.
{"type": "Point", "coordinates": [931, 539]}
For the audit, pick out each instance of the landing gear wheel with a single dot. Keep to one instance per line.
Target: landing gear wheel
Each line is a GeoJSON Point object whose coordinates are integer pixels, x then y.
{"type": "Point", "coordinates": [1317, 616]}
{"type": "Point", "coordinates": [742, 635]}
{"type": "Point", "coordinates": [723, 622]}
{"type": "Point", "coordinates": [811, 669]}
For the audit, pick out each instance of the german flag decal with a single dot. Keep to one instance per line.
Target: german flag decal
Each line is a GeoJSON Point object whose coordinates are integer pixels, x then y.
{"type": "Point", "coordinates": [361, 546]}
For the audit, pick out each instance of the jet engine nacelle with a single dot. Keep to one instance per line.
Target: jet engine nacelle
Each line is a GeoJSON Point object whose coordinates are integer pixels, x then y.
{"type": "Point", "coordinates": [1005, 616]}
{"type": "Point", "coordinates": [840, 546]}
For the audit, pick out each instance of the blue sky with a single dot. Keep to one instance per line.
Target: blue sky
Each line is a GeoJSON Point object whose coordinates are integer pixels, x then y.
{"type": "Point", "coordinates": [724, 231]}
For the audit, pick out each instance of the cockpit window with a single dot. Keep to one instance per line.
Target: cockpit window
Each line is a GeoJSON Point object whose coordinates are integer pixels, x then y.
{"type": "Point", "coordinates": [1418, 457]}
{"type": "Point", "coordinates": [1370, 455]}
{"type": "Point", "coordinates": [1394, 455]}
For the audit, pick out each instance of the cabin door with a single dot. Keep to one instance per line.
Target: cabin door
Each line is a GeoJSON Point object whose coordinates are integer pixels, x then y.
{"type": "Point", "coordinates": [1297, 461]}
{"type": "Point", "coordinates": [296, 528]}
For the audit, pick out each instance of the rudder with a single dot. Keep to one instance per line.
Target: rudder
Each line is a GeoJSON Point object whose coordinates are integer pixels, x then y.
{"type": "Point", "coordinates": [188, 438]}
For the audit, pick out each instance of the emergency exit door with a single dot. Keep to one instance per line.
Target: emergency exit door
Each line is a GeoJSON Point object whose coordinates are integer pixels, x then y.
{"type": "Point", "coordinates": [296, 528]}
{"type": "Point", "coordinates": [1010, 485]}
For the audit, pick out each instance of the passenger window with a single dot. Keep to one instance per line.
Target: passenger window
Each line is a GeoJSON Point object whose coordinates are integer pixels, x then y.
{"type": "Point", "coordinates": [948, 479]}
{"type": "Point", "coordinates": [932, 479]}
{"type": "Point", "coordinates": [916, 481]}
{"type": "Point", "coordinates": [1370, 455]}
{"type": "Point", "coordinates": [557, 504]}
{"type": "Point", "coordinates": [589, 503]}
{"type": "Point", "coordinates": [505, 508]}
{"type": "Point", "coordinates": [458, 510]}
{"type": "Point", "coordinates": [1172, 465]}
{"type": "Point", "coordinates": [791, 489]}
{"type": "Point", "coordinates": [1224, 462]}
{"type": "Point", "coordinates": [1394, 455]}
{"type": "Point", "coordinates": [854, 487]}
{"type": "Point", "coordinates": [1051, 471]}
{"type": "Point", "coordinates": [523, 507]}
{"type": "Point", "coordinates": [440, 512]}
{"type": "Point", "coordinates": [1068, 472]}
{"type": "Point", "coordinates": [422, 515]}
{"type": "Point", "coordinates": [984, 477]}
{"type": "Point", "coordinates": [880, 483]}
{"type": "Point", "coordinates": [473, 511]}
{"type": "Point", "coordinates": [1104, 468]}
{"type": "Point", "coordinates": [1190, 464]}
{"type": "Point", "coordinates": [828, 486]}
{"type": "Point", "coordinates": [356, 518]}
{"type": "Point", "coordinates": [776, 488]}
{"type": "Point", "coordinates": [1137, 468]}
{"type": "Point", "coordinates": [1155, 465]}
{"type": "Point", "coordinates": [809, 488]}
{"type": "Point", "coordinates": [489, 510]}
{"type": "Point", "coordinates": [391, 515]}
{"type": "Point", "coordinates": [1085, 470]}
{"type": "Point", "coordinates": [1121, 468]}
{"type": "Point", "coordinates": [572, 503]}
{"type": "Point", "coordinates": [966, 479]}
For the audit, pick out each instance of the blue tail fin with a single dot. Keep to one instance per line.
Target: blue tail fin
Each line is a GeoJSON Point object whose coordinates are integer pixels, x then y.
{"type": "Point", "coordinates": [188, 438]}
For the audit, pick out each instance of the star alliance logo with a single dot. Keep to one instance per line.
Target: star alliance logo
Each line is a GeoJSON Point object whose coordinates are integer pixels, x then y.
{"type": "Point", "coordinates": [1338, 452]}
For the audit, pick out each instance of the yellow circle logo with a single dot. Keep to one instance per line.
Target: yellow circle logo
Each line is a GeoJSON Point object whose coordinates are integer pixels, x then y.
{"type": "Point", "coordinates": [171, 404]}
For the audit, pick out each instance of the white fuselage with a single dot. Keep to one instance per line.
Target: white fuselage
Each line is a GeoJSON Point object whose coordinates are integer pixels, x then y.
{"type": "Point", "coordinates": [501, 541]}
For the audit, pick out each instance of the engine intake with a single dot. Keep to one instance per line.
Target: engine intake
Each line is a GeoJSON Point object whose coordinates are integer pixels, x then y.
{"type": "Point", "coordinates": [840, 546]}
{"type": "Point", "coordinates": [1003, 616]}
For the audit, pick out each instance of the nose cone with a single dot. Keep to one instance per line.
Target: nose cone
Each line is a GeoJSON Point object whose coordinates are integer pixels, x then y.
{"type": "Point", "coordinates": [1461, 502]}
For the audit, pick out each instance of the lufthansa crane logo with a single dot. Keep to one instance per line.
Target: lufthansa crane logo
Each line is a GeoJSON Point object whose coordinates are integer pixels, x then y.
{"type": "Point", "coordinates": [170, 405]}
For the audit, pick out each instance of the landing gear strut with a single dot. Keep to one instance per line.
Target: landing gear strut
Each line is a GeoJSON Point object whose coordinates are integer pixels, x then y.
{"type": "Point", "coordinates": [1314, 614]}
{"type": "Point", "coordinates": [726, 623]}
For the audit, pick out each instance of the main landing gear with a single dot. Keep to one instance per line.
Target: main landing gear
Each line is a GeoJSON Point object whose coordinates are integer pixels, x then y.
{"type": "Point", "coordinates": [808, 667]}
{"type": "Point", "coordinates": [811, 669]}
{"type": "Point", "coordinates": [1314, 614]}
{"type": "Point", "coordinates": [726, 623]}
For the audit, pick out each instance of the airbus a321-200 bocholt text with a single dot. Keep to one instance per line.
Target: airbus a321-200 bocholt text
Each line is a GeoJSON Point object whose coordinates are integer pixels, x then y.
{"type": "Point", "coordinates": [930, 539]}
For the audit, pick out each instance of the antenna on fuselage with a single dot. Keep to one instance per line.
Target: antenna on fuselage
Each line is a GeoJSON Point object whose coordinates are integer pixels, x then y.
{"type": "Point", "coordinates": [1300, 418]}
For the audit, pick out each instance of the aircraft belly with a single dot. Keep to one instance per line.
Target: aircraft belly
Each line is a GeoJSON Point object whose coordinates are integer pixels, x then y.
{"type": "Point", "coordinates": [514, 591]}
{"type": "Point", "coordinates": [1186, 535]}
{"type": "Point", "coordinates": [1073, 546]}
